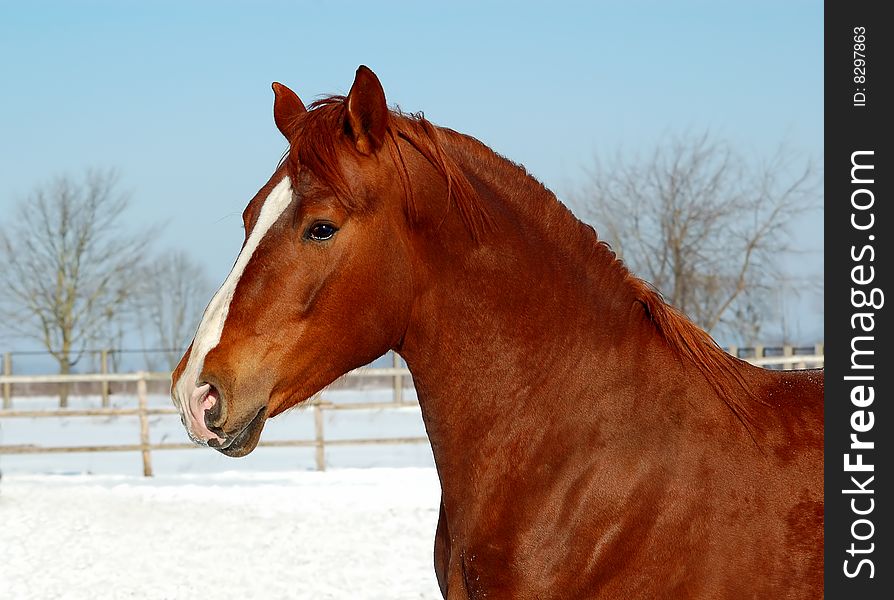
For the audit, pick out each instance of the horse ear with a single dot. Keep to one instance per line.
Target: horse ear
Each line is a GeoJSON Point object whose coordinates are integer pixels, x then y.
{"type": "Point", "coordinates": [367, 113]}
{"type": "Point", "coordinates": [287, 107]}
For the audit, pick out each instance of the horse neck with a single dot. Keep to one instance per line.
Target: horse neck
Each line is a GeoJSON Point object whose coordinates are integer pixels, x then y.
{"type": "Point", "coordinates": [507, 333]}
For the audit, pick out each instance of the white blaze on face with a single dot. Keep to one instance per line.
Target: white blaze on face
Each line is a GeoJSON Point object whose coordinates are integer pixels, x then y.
{"type": "Point", "coordinates": [211, 327]}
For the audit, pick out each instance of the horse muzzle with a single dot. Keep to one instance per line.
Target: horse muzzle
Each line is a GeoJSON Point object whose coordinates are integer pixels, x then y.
{"type": "Point", "coordinates": [243, 439]}
{"type": "Point", "coordinates": [204, 417]}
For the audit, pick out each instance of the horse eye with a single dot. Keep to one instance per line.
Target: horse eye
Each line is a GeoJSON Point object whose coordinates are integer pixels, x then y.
{"type": "Point", "coordinates": [320, 232]}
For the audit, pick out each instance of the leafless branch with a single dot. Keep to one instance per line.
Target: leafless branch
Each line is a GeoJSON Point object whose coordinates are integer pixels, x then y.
{"type": "Point", "coordinates": [702, 224]}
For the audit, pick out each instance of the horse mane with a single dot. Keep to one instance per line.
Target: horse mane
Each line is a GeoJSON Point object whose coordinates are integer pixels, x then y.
{"type": "Point", "coordinates": [321, 140]}
{"type": "Point", "coordinates": [321, 143]}
{"type": "Point", "coordinates": [692, 344]}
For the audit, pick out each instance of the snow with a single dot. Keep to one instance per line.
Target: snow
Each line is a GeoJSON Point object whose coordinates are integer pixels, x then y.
{"type": "Point", "coordinates": [88, 525]}
{"type": "Point", "coordinates": [345, 533]}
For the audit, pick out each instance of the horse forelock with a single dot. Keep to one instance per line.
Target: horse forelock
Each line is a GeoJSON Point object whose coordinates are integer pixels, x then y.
{"type": "Point", "coordinates": [321, 141]}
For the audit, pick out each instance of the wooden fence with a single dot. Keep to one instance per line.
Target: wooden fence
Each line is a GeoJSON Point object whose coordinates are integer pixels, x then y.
{"type": "Point", "coordinates": [781, 357]}
{"type": "Point", "coordinates": [784, 357]}
{"type": "Point", "coordinates": [143, 411]}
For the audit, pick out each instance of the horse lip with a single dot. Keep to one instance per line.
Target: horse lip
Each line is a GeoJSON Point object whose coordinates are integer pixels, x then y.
{"type": "Point", "coordinates": [235, 445]}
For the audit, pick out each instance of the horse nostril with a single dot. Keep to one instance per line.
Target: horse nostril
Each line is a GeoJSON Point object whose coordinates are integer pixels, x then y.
{"type": "Point", "coordinates": [213, 412]}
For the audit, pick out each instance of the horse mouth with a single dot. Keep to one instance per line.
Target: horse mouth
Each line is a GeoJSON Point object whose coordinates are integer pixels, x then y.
{"type": "Point", "coordinates": [244, 440]}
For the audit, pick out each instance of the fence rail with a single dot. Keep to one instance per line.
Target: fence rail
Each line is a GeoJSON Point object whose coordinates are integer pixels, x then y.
{"type": "Point", "coordinates": [317, 405]}
{"type": "Point", "coordinates": [785, 357]}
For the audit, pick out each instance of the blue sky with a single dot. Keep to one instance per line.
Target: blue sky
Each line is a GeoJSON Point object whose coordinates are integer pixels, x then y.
{"type": "Point", "coordinates": [176, 95]}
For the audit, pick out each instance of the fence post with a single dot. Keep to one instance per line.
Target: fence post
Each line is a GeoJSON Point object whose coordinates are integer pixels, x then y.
{"type": "Point", "coordinates": [758, 351]}
{"type": "Point", "coordinates": [398, 379]}
{"type": "Point", "coordinates": [144, 425]}
{"type": "Point", "coordinates": [318, 434]}
{"type": "Point", "coordinates": [734, 351]}
{"type": "Point", "coordinates": [7, 387]}
{"type": "Point", "coordinates": [819, 349]}
{"type": "Point", "coordinates": [788, 350]}
{"type": "Point", "coordinates": [104, 369]}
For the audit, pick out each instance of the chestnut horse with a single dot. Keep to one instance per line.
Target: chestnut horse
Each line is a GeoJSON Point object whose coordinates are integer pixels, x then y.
{"type": "Point", "coordinates": [589, 439]}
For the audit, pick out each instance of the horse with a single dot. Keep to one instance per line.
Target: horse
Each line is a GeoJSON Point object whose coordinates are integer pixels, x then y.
{"type": "Point", "coordinates": [589, 439]}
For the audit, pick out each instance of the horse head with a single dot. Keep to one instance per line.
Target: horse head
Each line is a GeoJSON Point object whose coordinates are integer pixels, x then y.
{"type": "Point", "coordinates": [322, 283]}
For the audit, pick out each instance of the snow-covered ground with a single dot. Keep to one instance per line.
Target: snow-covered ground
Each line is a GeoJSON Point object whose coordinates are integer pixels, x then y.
{"type": "Point", "coordinates": [88, 525]}
{"type": "Point", "coordinates": [344, 533]}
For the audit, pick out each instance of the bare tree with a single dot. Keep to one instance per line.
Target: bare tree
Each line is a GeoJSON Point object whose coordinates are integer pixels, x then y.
{"type": "Point", "coordinates": [68, 265]}
{"type": "Point", "coordinates": [169, 304]}
{"type": "Point", "coordinates": [703, 226]}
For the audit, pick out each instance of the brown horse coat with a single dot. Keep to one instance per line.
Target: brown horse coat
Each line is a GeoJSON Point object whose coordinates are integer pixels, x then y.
{"type": "Point", "coordinates": [591, 442]}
